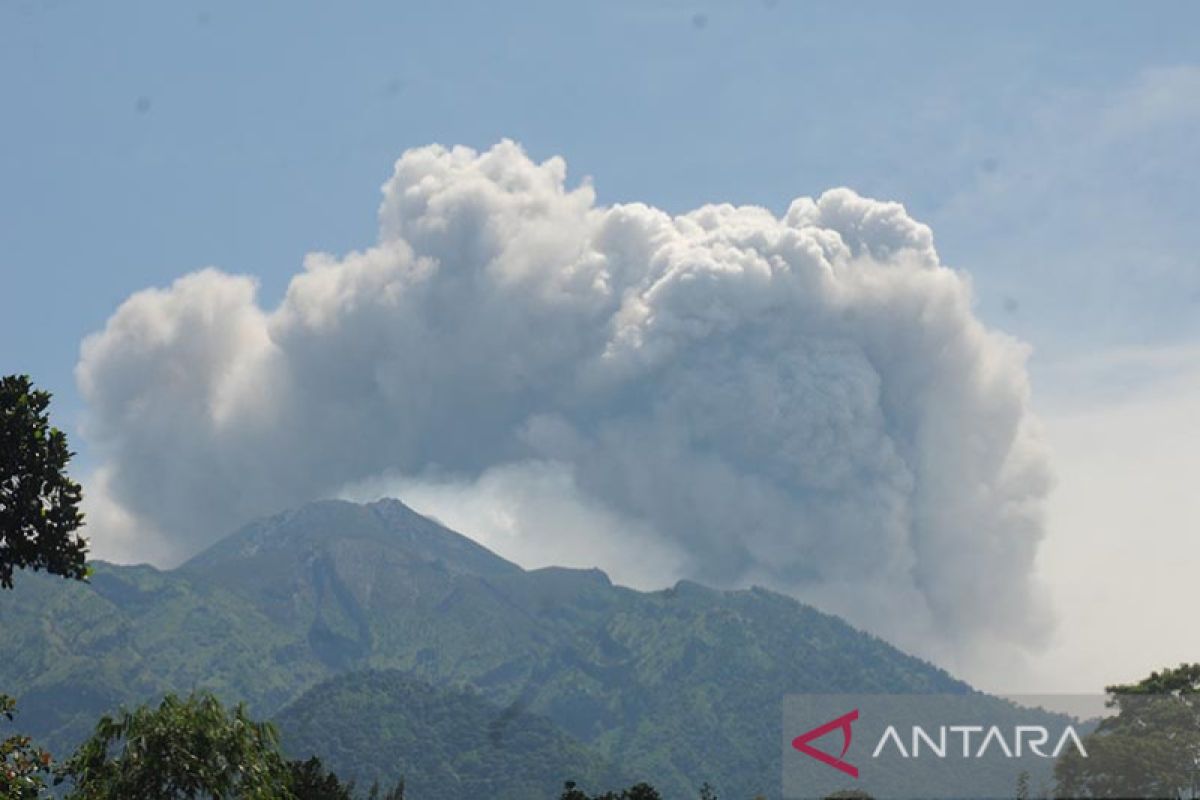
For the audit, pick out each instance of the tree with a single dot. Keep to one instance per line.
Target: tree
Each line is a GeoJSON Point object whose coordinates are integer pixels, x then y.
{"type": "Point", "coordinates": [571, 791]}
{"type": "Point", "coordinates": [395, 793]}
{"type": "Point", "coordinates": [1023, 786]}
{"type": "Point", "coordinates": [187, 749]}
{"type": "Point", "coordinates": [39, 504]}
{"type": "Point", "coordinates": [23, 767]}
{"type": "Point", "coordinates": [39, 514]}
{"type": "Point", "coordinates": [639, 791]}
{"type": "Point", "coordinates": [308, 780]}
{"type": "Point", "coordinates": [1149, 748]}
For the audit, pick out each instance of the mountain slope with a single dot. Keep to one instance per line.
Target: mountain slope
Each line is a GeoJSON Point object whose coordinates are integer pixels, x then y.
{"type": "Point", "coordinates": [447, 744]}
{"type": "Point", "coordinates": [679, 686]}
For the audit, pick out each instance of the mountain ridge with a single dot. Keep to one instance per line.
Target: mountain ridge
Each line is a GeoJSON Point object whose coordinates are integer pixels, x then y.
{"type": "Point", "coordinates": [683, 683]}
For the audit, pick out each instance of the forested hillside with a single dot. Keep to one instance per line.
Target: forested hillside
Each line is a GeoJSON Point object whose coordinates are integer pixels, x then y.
{"type": "Point", "coordinates": [683, 684]}
{"type": "Point", "coordinates": [446, 744]}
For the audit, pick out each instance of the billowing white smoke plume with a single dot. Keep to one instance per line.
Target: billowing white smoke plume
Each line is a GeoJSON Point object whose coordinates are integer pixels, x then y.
{"type": "Point", "coordinates": [804, 402]}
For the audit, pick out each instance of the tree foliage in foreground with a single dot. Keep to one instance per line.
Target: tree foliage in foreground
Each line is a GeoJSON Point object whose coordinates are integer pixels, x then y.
{"type": "Point", "coordinates": [1150, 748]}
{"type": "Point", "coordinates": [309, 780]}
{"type": "Point", "coordinates": [194, 749]}
{"type": "Point", "coordinates": [39, 504]}
{"type": "Point", "coordinates": [39, 514]}
{"type": "Point", "coordinates": [189, 749]}
{"type": "Point", "coordinates": [640, 791]}
{"type": "Point", "coordinates": [23, 767]}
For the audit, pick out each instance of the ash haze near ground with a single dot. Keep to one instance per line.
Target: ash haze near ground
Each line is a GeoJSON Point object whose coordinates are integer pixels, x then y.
{"type": "Point", "coordinates": [805, 401]}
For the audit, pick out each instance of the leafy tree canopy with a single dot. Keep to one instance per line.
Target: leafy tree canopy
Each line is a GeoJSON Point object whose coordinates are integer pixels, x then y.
{"type": "Point", "coordinates": [39, 504]}
{"type": "Point", "coordinates": [23, 767]}
{"type": "Point", "coordinates": [190, 749]}
{"type": "Point", "coordinates": [1149, 748]}
{"type": "Point", "coordinates": [1182, 680]}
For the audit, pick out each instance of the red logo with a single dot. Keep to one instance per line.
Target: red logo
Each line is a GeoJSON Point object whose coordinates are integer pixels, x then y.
{"type": "Point", "coordinates": [801, 743]}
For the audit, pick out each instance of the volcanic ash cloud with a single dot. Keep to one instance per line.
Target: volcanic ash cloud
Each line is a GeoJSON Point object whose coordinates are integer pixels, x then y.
{"type": "Point", "coordinates": [804, 402]}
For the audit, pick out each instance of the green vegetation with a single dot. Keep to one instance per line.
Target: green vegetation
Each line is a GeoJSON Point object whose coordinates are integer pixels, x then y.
{"type": "Point", "coordinates": [309, 780]}
{"type": "Point", "coordinates": [194, 749]}
{"type": "Point", "coordinates": [681, 685]}
{"type": "Point", "coordinates": [1149, 748]}
{"type": "Point", "coordinates": [39, 504]}
{"type": "Point", "coordinates": [23, 767]}
{"type": "Point", "coordinates": [445, 744]}
{"type": "Point", "coordinates": [39, 513]}
{"type": "Point", "coordinates": [403, 653]}
{"type": "Point", "coordinates": [188, 749]}
{"type": "Point", "coordinates": [639, 791]}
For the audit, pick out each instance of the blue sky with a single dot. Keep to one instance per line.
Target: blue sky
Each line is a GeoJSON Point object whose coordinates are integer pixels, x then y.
{"type": "Point", "coordinates": [1052, 148]}
{"type": "Point", "coordinates": [147, 139]}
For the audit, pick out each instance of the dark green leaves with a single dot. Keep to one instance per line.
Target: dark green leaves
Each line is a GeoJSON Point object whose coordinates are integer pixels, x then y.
{"type": "Point", "coordinates": [189, 748]}
{"type": "Point", "coordinates": [39, 504]}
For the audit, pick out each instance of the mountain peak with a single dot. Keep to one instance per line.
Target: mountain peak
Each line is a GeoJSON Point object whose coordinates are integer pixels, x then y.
{"type": "Point", "coordinates": [336, 587]}
{"type": "Point", "coordinates": [324, 526]}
